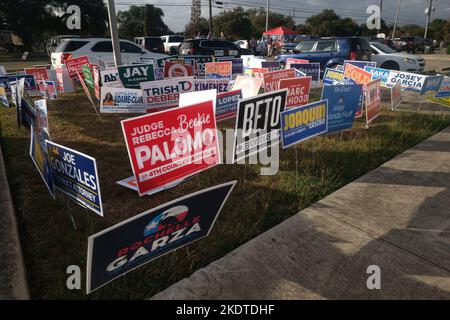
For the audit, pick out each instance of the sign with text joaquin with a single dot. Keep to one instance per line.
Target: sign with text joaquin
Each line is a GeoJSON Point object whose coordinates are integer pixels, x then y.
{"type": "Point", "coordinates": [134, 242]}
{"type": "Point", "coordinates": [343, 102]}
{"type": "Point", "coordinates": [226, 104]}
{"type": "Point", "coordinates": [132, 76]}
{"type": "Point", "coordinates": [122, 100]}
{"type": "Point", "coordinates": [172, 144]}
{"type": "Point", "coordinates": [298, 91]}
{"type": "Point", "coordinates": [373, 100]}
{"type": "Point", "coordinates": [272, 78]}
{"type": "Point", "coordinates": [75, 174]}
{"type": "Point", "coordinates": [302, 123]}
{"type": "Point", "coordinates": [258, 123]}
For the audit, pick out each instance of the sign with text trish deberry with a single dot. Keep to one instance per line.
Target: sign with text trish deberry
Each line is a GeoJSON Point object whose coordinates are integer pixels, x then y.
{"type": "Point", "coordinates": [165, 94]}
{"type": "Point", "coordinates": [172, 144]}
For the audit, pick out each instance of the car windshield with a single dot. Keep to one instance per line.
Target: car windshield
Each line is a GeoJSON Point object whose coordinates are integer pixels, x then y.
{"type": "Point", "coordinates": [383, 48]}
{"type": "Point", "coordinates": [306, 46]}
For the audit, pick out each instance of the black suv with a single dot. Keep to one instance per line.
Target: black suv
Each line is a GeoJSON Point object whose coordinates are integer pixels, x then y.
{"type": "Point", "coordinates": [211, 47]}
{"type": "Point", "coordinates": [411, 44]}
{"type": "Point", "coordinates": [153, 44]}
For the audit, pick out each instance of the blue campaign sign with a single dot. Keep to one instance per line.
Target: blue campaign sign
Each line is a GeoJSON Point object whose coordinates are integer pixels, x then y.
{"type": "Point", "coordinates": [444, 90]}
{"type": "Point", "coordinates": [304, 122]}
{"type": "Point", "coordinates": [361, 64]}
{"type": "Point", "coordinates": [4, 82]}
{"type": "Point", "coordinates": [310, 69]}
{"type": "Point", "coordinates": [226, 104]}
{"type": "Point", "coordinates": [271, 65]}
{"type": "Point", "coordinates": [379, 73]}
{"type": "Point", "coordinates": [431, 84]}
{"type": "Point", "coordinates": [75, 174]}
{"type": "Point", "coordinates": [30, 84]}
{"type": "Point", "coordinates": [343, 102]}
{"type": "Point", "coordinates": [333, 77]}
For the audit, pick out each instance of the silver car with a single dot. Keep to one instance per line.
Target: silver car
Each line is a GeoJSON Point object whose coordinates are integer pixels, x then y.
{"type": "Point", "coordinates": [390, 59]}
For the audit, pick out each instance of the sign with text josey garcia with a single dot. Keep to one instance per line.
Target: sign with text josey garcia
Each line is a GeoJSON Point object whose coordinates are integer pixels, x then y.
{"type": "Point", "coordinates": [134, 242]}
{"type": "Point", "coordinates": [169, 145]}
{"type": "Point", "coordinates": [76, 175]}
{"type": "Point", "coordinates": [258, 123]}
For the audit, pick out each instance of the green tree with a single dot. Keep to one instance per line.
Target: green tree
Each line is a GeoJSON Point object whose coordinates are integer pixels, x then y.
{"type": "Point", "coordinates": [328, 23]}
{"type": "Point", "coordinates": [235, 24]}
{"type": "Point", "coordinates": [258, 20]}
{"type": "Point", "coordinates": [411, 30]}
{"type": "Point", "coordinates": [192, 29]}
{"type": "Point", "coordinates": [437, 29]}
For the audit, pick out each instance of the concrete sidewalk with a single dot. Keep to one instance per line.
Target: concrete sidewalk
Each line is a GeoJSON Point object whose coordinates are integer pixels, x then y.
{"type": "Point", "coordinates": [396, 217]}
{"type": "Point", "coordinates": [13, 283]}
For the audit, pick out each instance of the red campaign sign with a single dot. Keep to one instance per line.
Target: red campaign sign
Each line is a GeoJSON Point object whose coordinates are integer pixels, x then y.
{"type": "Point", "coordinates": [298, 91]}
{"type": "Point", "coordinates": [272, 79]}
{"type": "Point", "coordinates": [176, 69]}
{"type": "Point", "coordinates": [74, 66]}
{"type": "Point", "coordinates": [59, 80]}
{"type": "Point", "coordinates": [39, 73]}
{"type": "Point", "coordinates": [170, 145]}
{"type": "Point", "coordinates": [259, 72]}
{"type": "Point", "coordinates": [290, 61]}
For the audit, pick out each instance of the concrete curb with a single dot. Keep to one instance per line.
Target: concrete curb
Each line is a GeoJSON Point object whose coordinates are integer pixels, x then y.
{"type": "Point", "coordinates": [13, 284]}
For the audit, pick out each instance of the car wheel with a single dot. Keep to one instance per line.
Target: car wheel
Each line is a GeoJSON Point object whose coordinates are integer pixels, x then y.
{"type": "Point", "coordinates": [390, 65]}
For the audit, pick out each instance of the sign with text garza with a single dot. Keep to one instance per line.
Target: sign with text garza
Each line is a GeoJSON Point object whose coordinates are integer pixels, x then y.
{"type": "Point", "coordinates": [343, 102]}
{"type": "Point", "coordinates": [132, 76]}
{"type": "Point", "coordinates": [272, 79]}
{"type": "Point", "coordinates": [165, 93]}
{"type": "Point", "coordinates": [75, 65]}
{"type": "Point", "coordinates": [373, 100]}
{"type": "Point", "coordinates": [258, 123]}
{"type": "Point", "coordinates": [172, 144]}
{"type": "Point", "coordinates": [302, 123]}
{"type": "Point", "coordinates": [298, 91]}
{"type": "Point", "coordinates": [134, 242]}
{"type": "Point", "coordinates": [75, 174]}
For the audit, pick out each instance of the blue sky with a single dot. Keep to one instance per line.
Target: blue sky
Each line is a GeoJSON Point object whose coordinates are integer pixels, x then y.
{"type": "Point", "coordinates": [177, 12]}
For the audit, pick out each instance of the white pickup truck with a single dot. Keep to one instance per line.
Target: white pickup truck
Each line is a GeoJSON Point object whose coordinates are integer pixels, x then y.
{"type": "Point", "coordinates": [171, 43]}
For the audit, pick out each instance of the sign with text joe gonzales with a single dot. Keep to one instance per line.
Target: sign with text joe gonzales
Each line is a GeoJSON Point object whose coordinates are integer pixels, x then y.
{"type": "Point", "coordinates": [172, 144]}
{"type": "Point", "coordinates": [134, 242]}
{"type": "Point", "coordinates": [76, 175]}
{"type": "Point", "coordinates": [302, 123]}
{"type": "Point", "coordinates": [258, 123]}
{"type": "Point", "coordinates": [165, 93]}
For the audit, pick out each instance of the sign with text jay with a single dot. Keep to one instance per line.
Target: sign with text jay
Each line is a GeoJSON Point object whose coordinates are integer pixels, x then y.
{"type": "Point", "coordinates": [134, 242]}
{"type": "Point", "coordinates": [132, 76]}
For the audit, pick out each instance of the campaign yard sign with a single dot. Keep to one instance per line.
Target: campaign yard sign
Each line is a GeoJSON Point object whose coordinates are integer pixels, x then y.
{"type": "Point", "coordinates": [249, 86]}
{"type": "Point", "coordinates": [165, 94]}
{"type": "Point", "coordinates": [258, 123]}
{"type": "Point", "coordinates": [270, 65]}
{"type": "Point", "coordinates": [221, 85]}
{"type": "Point", "coordinates": [431, 84]}
{"type": "Point", "coordinates": [136, 241]}
{"type": "Point", "coordinates": [410, 81]}
{"type": "Point", "coordinates": [175, 69]}
{"type": "Point", "coordinates": [132, 76]}
{"type": "Point", "coordinates": [373, 100]}
{"type": "Point", "coordinates": [29, 82]}
{"type": "Point", "coordinates": [272, 79]}
{"type": "Point", "coordinates": [75, 174]}
{"type": "Point", "coordinates": [302, 123]}
{"type": "Point", "coordinates": [343, 102]}
{"type": "Point", "coordinates": [122, 100]}
{"type": "Point", "coordinates": [291, 61]}
{"type": "Point", "coordinates": [75, 65]}
{"type": "Point", "coordinates": [379, 73]}
{"type": "Point", "coordinates": [444, 90]}
{"type": "Point", "coordinates": [237, 65]}
{"type": "Point", "coordinates": [96, 71]}
{"type": "Point", "coordinates": [38, 73]}
{"type": "Point", "coordinates": [332, 77]}
{"type": "Point", "coordinates": [87, 73]}
{"type": "Point", "coordinates": [360, 64]}
{"type": "Point", "coordinates": [310, 69]}
{"type": "Point", "coordinates": [259, 72]}
{"type": "Point", "coordinates": [110, 78]}
{"type": "Point", "coordinates": [169, 145]}
{"type": "Point", "coordinates": [47, 89]}
{"type": "Point", "coordinates": [358, 75]}
{"type": "Point", "coordinates": [3, 97]}
{"type": "Point", "coordinates": [298, 91]}
{"type": "Point", "coordinates": [396, 96]}
{"type": "Point", "coordinates": [227, 104]}
{"type": "Point", "coordinates": [198, 62]}
{"type": "Point", "coordinates": [219, 70]}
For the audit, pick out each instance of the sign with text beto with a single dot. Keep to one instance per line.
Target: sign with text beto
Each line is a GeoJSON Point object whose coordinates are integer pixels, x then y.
{"type": "Point", "coordinates": [272, 79]}
{"type": "Point", "coordinates": [258, 123]}
{"type": "Point", "coordinates": [132, 76]}
{"type": "Point", "coordinates": [172, 144]}
{"type": "Point", "coordinates": [226, 104]}
{"type": "Point", "coordinates": [373, 100]}
{"type": "Point", "coordinates": [165, 94]}
{"type": "Point", "coordinates": [298, 91]}
{"type": "Point", "coordinates": [134, 242]}
{"type": "Point", "coordinates": [302, 123]}
{"type": "Point", "coordinates": [75, 174]}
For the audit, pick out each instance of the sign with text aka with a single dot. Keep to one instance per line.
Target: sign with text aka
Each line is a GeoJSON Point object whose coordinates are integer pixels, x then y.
{"type": "Point", "coordinates": [258, 123]}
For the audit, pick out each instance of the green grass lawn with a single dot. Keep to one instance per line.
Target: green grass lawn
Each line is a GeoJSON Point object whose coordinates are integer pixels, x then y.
{"type": "Point", "coordinates": [50, 243]}
{"type": "Point", "coordinates": [12, 60]}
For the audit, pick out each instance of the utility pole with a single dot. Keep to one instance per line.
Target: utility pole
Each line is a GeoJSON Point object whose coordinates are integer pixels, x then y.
{"type": "Point", "coordinates": [396, 18]}
{"type": "Point", "coordinates": [428, 18]}
{"type": "Point", "coordinates": [114, 32]}
{"type": "Point", "coordinates": [210, 19]}
{"type": "Point", "coordinates": [267, 15]}
{"type": "Point", "coordinates": [381, 11]}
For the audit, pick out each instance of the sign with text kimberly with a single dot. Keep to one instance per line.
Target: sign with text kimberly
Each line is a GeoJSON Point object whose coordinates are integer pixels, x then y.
{"type": "Point", "coordinates": [122, 100]}
{"type": "Point", "coordinates": [134, 242]}
{"type": "Point", "coordinates": [272, 79]}
{"type": "Point", "coordinates": [164, 94]}
{"type": "Point", "coordinates": [298, 91]}
{"type": "Point", "coordinates": [258, 123]}
{"type": "Point", "coordinates": [172, 144]}
{"type": "Point", "coordinates": [373, 100]}
{"type": "Point", "coordinates": [302, 123]}
{"type": "Point", "coordinates": [132, 76]}
{"type": "Point", "coordinates": [75, 174]}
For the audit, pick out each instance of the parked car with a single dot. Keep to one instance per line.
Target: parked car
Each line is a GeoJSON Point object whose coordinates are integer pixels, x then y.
{"type": "Point", "coordinates": [212, 47]}
{"type": "Point", "coordinates": [242, 43]}
{"type": "Point", "coordinates": [54, 42]}
{"type": "Point", "coordinates": [429, 46]}
{"type": "Point", "coordinates": [330, 52]}
{"type": "Point", "coordinates": [153, 44]}
{"type": "Point", "coordinates": [95, 48]}
{"type": "Point", "coordinates": [171, 43]}
{"type": "Point", "coordinates": [387, 42]}
{"type": "Point", "coordinates": [411, 44]}
{"type": "Point", "coordinates": [289, 45]}
{"type": "Point", "coordinates": [390, 59]}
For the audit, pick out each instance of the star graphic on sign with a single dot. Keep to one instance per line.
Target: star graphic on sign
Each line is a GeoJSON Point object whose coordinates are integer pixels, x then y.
{"type": "Point", "coordinates": [152, 226]}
